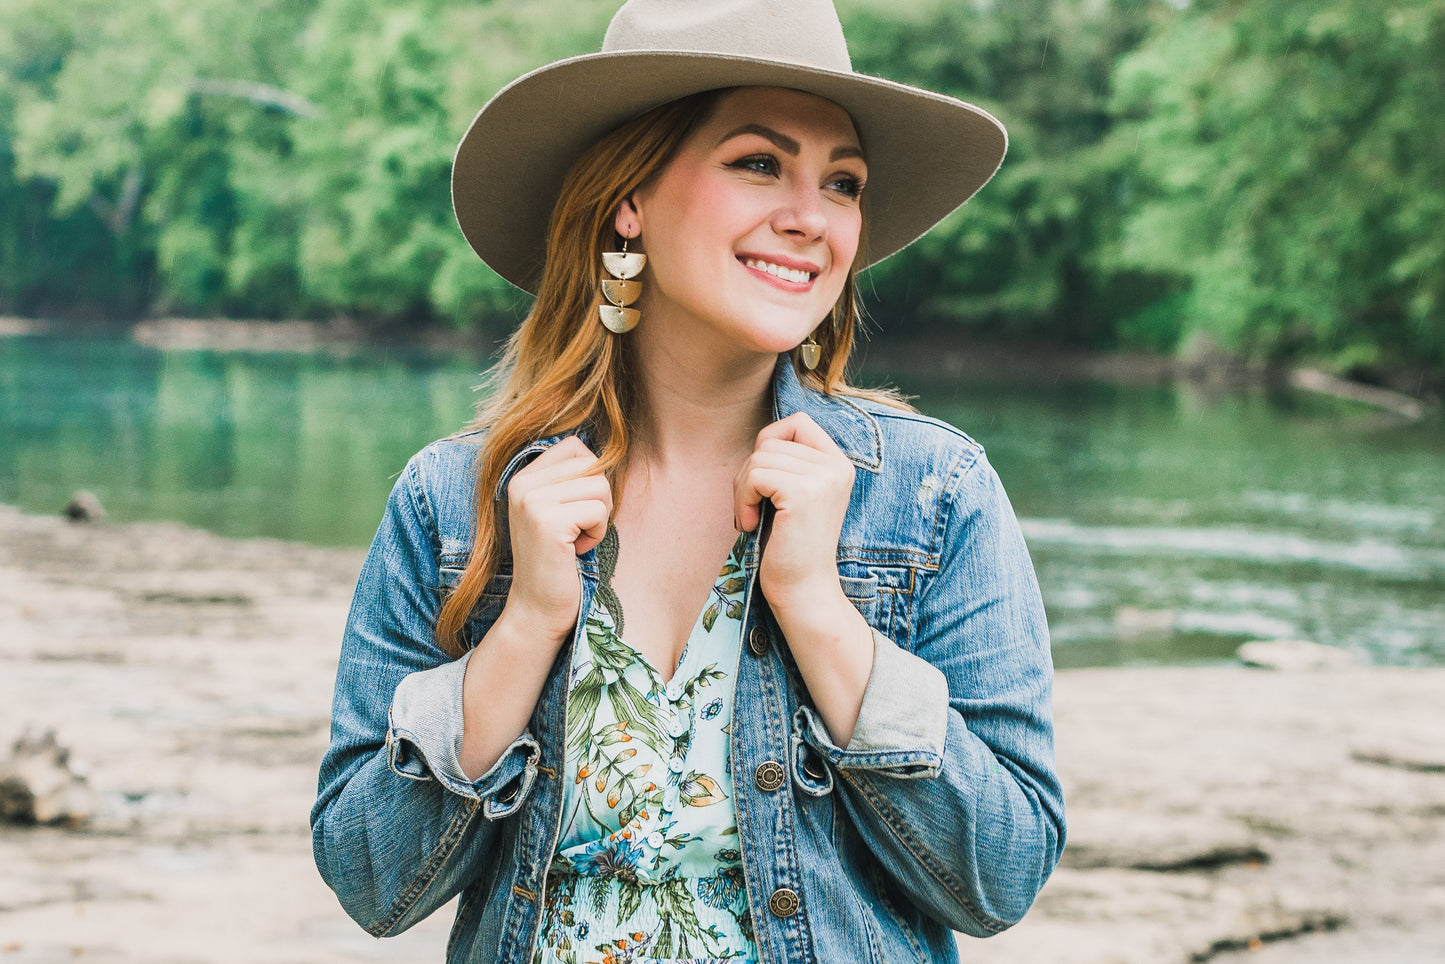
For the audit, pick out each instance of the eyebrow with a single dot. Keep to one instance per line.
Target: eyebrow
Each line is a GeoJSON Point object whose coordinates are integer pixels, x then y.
{"type": "Point", "coordinates": [785, 143]}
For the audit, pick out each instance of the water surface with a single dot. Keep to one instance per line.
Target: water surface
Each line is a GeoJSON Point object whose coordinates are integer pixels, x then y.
{"type": "Point", "coordinates": [1167, 524]}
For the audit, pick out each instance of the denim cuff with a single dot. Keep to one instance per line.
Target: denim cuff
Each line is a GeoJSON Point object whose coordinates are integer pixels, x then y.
{"type": "Point", "coordinates": [424, 740]}
{"type": "Point", "coordinates": [903, 722]}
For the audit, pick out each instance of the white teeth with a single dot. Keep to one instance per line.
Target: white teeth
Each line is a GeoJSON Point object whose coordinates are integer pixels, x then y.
{"type": "Point", "coordinates": [778, 271]}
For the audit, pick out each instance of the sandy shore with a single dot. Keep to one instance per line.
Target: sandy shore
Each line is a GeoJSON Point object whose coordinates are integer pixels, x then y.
{"type": "Point", "coordinates": [1210, 808]}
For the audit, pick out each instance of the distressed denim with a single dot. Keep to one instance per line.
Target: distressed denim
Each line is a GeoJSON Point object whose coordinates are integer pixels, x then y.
{"type": "Point", "coordinates": [943, 813]}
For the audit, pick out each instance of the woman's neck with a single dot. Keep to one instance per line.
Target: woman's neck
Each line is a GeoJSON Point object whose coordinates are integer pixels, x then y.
{"type": "Point", "coordinates": [696, 408]}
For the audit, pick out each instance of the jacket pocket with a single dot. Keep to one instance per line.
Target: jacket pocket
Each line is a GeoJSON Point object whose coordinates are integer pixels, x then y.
{"type": "Point", "coordinates": [862, 592]}
{"type": "Point", "coordinates": [488, 605]}
{"type": "Point", "coordinates": [880, 593]}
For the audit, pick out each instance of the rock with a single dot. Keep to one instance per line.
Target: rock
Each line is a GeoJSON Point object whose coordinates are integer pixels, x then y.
{"type": "Point", "coordinates": [1419, 759]}
{"type": "Point", "coordinates": [1293, 654]}
{"type": "Point", "coordinates": [40, 785]}
{"type": "Point", "coordinates": [84, 507]}
{"type": "Point", "coordinates": [1134, 839]}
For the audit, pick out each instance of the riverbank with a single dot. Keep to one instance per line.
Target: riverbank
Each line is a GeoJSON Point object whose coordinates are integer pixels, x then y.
{"type": "Point", "coordinates": [1210, 807]}
{"type": "Point", "coordinates": [1408, 394]}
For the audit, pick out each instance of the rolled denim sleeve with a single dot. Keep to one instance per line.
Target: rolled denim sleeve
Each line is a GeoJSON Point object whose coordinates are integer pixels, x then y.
{"type": "Point", "coordinates": [902, 723]}
{"type": "Point", "coordinates": [397, 829]}
{"type": "Point", "coordinates": [424, 741]}
{"type": "Point", "coordinates": [978, 830]}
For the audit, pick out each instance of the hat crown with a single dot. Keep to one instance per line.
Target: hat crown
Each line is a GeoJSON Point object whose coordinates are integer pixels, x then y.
{"type": "Point", "coordinates": [797, 31]}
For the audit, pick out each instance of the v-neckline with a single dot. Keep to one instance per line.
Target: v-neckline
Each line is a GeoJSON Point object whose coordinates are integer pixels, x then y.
{"type": "Point", "coordinates": [687, 647]}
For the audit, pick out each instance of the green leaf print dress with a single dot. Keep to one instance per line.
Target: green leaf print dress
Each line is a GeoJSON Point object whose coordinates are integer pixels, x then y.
{"type": "Point", "coordinates": [647, 866]}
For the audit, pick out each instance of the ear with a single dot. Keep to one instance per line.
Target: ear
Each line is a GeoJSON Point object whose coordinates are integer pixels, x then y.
{"type": "Point", "coordinates": [629, 220]}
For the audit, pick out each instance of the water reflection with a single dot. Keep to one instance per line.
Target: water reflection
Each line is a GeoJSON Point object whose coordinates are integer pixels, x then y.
{"type": "Point", "coordinates": [292, 446]}
{"type": "Point", "coordinates": [1167, 524]}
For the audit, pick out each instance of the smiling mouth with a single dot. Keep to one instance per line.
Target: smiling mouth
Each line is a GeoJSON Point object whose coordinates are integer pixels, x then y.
{"type": "Point", "coordinates": [795, 275]}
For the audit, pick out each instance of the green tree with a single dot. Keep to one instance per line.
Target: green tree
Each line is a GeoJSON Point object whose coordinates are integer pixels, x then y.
{"type": "Point", "coordinates": [52, 257]}
{"type": "Point", "coordinates": [1289, 176]}
{"type": "Point", "coordinates": [139, 123]}
{"type": "Point", "coordinates": [1017, 258]}
{"type": "Point", "coordinates": [378, 237]}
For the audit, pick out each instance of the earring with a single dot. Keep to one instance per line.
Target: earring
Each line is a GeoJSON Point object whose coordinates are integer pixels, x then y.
{"type": "Point", "coordinates": [620, 290]}
{"type": "Point", "coordinates": [811, 353]}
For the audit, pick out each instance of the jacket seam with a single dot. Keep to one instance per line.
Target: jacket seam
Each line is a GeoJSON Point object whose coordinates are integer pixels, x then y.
{"type": "Point", "coordinates": [421, 504]}
{"type": "Point", "coordinates": [891, 557]}
{"type": "Point", "coordinates": [872, 422]}
{"type": "Point", "coordinates": [937, 871]}
{"type": "Point", "coordinates": [880, 888]}
{"type": "Point", "coordinates": [948, 498]}
{"type": "Point", "coordinates": [427, 876]}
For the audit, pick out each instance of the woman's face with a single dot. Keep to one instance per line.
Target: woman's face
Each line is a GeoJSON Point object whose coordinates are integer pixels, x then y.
{"type": "Point", "coordinates": [751, 228]}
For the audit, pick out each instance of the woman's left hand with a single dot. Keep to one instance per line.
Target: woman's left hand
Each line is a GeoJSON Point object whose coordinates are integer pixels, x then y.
{"type": "Point", "coordinates": [809, 480]}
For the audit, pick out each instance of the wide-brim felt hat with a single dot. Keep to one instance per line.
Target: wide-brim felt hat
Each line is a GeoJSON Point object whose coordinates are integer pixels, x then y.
{"type": "Point", "coordinates": [926, 153]}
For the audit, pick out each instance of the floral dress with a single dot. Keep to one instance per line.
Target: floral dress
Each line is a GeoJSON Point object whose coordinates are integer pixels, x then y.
{"type": "Point", "coordinates": [647, 866]}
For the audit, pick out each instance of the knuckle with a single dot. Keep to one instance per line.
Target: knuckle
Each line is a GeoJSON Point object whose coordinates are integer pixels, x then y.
{"type": "Point", "coordinates": [525, 502]}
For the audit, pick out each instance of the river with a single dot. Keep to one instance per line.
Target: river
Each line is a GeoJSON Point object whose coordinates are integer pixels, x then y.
{"type": "Point", "coordinates": [1168, 524]}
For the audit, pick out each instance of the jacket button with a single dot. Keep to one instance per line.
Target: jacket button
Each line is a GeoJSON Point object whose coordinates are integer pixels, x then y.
{"type": "Point", "coordinates": [769, 776]}
{"type": "Point", "coordinates": [758, 641]}
{"type": "Point", "coordinates": [784, 902]}
{"type": "Point", "coordinates": [814, 769]}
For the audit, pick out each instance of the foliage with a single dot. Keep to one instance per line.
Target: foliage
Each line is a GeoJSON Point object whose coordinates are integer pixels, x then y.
{"type": "Point", "coordinates": [1288, 173]}
{"type": "Point", "coordinates": [1266, 174]}
{"type": "Point", "coordinates": [1017, 256]}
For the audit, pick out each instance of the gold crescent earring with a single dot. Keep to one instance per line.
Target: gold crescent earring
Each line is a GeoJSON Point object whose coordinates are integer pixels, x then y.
{"type": "Point", "coordinates": [811, 353]}
{"type": "Point", "coordinates": [620, 290]}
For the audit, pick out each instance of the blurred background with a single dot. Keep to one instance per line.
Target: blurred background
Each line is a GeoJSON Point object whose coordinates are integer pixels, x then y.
{"type": "Point", "coordinates": [1198, 321]}
{"type": "Point", "coordinates": [1199, 199]}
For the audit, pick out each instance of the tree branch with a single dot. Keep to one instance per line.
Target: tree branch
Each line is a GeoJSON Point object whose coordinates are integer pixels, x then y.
{"type": "Point", "coordinates": [263, 95]}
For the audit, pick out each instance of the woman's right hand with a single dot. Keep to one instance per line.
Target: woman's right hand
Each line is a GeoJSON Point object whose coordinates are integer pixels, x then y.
{"type": "Point", "coordinates": [558, 507]}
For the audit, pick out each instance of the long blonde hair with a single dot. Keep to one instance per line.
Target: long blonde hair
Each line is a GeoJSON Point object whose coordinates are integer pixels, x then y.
{"type": "Point", "coordinates": [562, 370]}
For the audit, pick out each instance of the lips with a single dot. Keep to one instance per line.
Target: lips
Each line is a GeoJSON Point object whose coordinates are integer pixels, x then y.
{"type": "Point", "coordinates": [795, 273]}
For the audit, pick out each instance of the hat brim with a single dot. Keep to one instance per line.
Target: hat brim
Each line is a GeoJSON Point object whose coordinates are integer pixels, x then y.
{"type": "Point", "coordinates": [927, 153]}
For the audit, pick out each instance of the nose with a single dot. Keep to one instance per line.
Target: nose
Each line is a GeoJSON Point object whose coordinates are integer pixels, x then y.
{"type": "Point", "coordinates": [801, 215]}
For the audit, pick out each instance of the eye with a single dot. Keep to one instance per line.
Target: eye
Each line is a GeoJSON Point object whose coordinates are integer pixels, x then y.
{"type": "Point", "coordinates": [764, 164]}
{"type": "Point", "coordinates": [846, 185]}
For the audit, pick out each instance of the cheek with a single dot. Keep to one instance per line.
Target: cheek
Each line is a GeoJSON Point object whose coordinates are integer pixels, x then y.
{"type": "Point", "coordinates": [846, 232]}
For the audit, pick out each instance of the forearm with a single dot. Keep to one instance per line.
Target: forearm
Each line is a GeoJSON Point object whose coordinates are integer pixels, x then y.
{"type": "Point", "coordinates": [833, 647]}
{"type": "Point", "coordinates": [504, 678]}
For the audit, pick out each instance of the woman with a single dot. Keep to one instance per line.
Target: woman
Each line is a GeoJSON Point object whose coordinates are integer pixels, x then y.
{"type": "Point", "coordinates": [689, 650]}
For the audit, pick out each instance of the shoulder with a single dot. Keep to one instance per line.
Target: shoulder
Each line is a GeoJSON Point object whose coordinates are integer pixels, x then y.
{"type": "Point", "coordinates": [440, 481]}
{"type": "Point", "coordinates": [447, 459]}
{"type": "Point", "coordinates": [918, 444]}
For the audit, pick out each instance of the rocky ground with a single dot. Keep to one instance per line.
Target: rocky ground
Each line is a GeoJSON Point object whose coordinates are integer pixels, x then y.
{"type": "Point", "coordinates": [1216, 813]}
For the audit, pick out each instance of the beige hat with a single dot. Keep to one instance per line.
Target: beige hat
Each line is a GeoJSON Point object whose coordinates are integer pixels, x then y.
{"type": "Point", "coordinates": [926, 153]}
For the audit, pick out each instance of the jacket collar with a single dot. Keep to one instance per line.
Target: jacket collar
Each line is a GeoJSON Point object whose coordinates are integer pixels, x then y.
{"type": "Point", "coordinates": [854, 429]}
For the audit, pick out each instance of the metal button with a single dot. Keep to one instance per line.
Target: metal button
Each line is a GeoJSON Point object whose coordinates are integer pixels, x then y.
{"type": "Point", "coordinates": [784, 902]}
{"type": "Point", "coordinates": [758, 641]}
{"type": "Point", "coordinates": [813, 768]}
{"type": "Point", "coordinates": [769, 776]}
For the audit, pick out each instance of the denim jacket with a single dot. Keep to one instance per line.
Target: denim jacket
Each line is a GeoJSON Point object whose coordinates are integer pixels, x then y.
{"type": "Point", "coordinates": [942, 813]}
